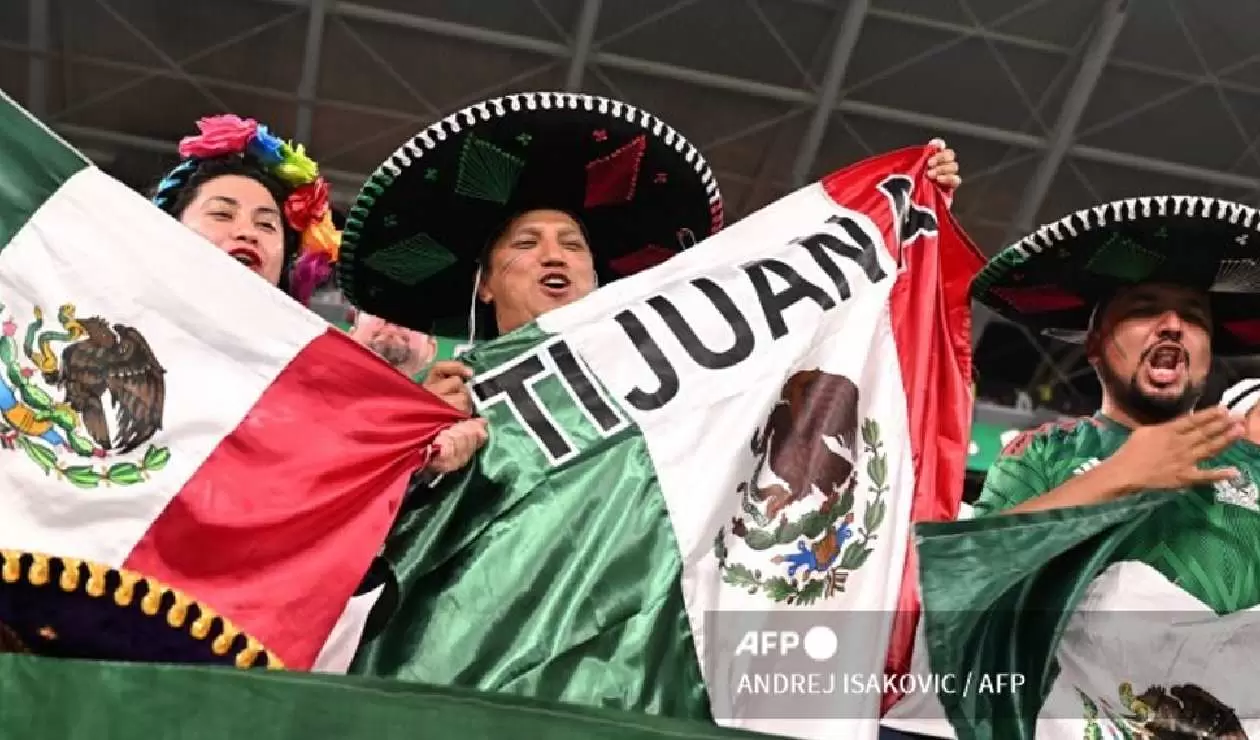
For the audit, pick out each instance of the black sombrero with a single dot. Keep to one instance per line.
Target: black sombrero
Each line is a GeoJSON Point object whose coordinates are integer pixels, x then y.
{"type": "Point", "coordinates": [68, 608]}
{"type": "Point", "coordinates": [410, 247]}
{"type": "Point", "coordinates": [1052, 279]}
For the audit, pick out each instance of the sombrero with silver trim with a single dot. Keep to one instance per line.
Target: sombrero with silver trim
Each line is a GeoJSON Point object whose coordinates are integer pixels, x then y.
{"type": "Point", "coordinates": [1053, 279]}
{"type": "Point", "coordinates": [69, 608]}
{"type": "Point", "coordinates": [412, 240]}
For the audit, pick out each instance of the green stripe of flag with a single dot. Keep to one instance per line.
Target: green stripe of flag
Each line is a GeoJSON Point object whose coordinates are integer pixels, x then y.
{"type": "Point", "coordinates": [34, 163]}
{"type": "Point", "coordinates": [998, 592]}
{"type": "Point", "coordinates": [50, 698]}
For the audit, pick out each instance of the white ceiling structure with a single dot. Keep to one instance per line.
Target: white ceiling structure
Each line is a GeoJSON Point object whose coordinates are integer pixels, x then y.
{"type": "Point", "coordinates": [1052, 105]}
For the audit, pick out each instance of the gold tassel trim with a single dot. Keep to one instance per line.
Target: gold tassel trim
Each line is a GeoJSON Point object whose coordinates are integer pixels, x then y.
{"type": "Point", "coordinates": [176, 615]}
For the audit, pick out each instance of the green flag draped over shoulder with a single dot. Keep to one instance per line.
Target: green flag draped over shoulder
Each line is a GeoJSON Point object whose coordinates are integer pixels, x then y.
{"type": "Point", "coordinates": [998, 593]}
{"type": "Point", "coordinates": [590, 560]}
{"type": "Point", "coordinates": [1134, 616]}
{"type": "Point", "coordinates": [55, 699]}
{"type": "Point", "coordinates": [1091, 616]}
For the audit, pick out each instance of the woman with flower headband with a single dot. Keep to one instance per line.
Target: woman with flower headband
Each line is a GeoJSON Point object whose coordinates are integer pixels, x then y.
{"type": "Point", "coordinates": [258, 198]}
{"type": "Point", "coordinates": [262, 201]}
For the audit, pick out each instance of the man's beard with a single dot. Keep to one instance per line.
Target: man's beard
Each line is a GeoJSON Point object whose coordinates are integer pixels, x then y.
{"type": "Point", "coordinates": [1144, 408]}
{"type": "Point", "coordinates": [395, 353]}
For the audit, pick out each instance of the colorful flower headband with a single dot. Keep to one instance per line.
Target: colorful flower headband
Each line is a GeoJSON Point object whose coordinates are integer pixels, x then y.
{"type": "Point", "coordinates": [306, 210]}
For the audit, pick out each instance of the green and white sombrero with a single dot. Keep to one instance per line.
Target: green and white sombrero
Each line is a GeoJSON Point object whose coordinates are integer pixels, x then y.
{"type": "Point", "coordinates": [412, 240]}
{"type": "Point", "coordinates": [1052, 279]}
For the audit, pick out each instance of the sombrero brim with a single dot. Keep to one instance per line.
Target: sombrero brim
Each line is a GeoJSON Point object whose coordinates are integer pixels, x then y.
{"type": "Point", "coordinates": [410, 247]}
{"type": "Point", "coordinates": [63, 607]}
{"type": "Point", "coordinates": [1052, 279]}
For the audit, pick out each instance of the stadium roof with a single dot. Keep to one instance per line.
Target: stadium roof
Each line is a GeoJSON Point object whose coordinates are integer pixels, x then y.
{"type": "Point", "coordinates": [1052, 105]}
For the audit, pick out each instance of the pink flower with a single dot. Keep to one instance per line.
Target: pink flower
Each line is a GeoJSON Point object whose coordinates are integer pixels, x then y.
{"type": "Point", "coordinates": [27, 372]}
{"type": "Point", "coordinates": [10, 328]}
{"type": "Point", "coordinates": [225, 134]}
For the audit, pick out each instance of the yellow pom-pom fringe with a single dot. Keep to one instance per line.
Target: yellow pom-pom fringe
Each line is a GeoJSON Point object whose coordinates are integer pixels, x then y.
{"type": "Point", "coordinates": [175, 611]}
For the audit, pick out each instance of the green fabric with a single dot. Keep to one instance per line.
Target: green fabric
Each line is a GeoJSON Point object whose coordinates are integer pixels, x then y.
{"type": "Point", "coordinates": [1203, 545]}
{"type": "Point", "coordinates": [559, 583]}
{"type": "Point", "coordinates": [1041, 459]}
{"type": "Point", "coordinates": [986, 445]}
{"type": "Point", "coordinates": [54, 699]}
{"type": "Point", "coordinates": [34, 164]}
{"type": "Point", "coordinates": [997, 594]}
{"type": "Point", "coordinates": [999, 590]}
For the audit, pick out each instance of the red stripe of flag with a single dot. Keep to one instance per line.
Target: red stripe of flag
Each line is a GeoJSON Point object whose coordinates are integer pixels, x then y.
{"type": "Point", "coordinates": [931, 321]}
{"type": "Point", "coordinates": [278, 526]}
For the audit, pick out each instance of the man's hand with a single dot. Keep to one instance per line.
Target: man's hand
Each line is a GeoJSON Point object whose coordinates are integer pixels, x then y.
{"type": "Point", "coordinates": [1159, 457]}
{"type": "Point", "coordinates": [1167, 456]}
{"type": "Point", "coordinates": [943, 167]}
{"type": "Point", "coordinates": [448, 380]}
{"type": "Point", "coordinates": [457, 444]}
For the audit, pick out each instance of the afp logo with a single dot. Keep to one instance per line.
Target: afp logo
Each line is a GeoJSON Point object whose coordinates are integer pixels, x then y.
{"type": "Point", "coordinates": [819, 643]}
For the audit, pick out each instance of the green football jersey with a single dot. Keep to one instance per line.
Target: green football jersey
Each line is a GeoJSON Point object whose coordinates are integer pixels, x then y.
{"type": "Point", "coordinates": [1208, 542]}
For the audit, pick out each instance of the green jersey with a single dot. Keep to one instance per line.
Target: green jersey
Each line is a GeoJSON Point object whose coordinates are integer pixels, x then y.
{"type": "Point", "coordinates": [1206, 542]}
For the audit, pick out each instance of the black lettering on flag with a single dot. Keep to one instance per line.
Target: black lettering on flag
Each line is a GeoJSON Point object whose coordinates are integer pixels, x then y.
{"type": "Point", "coordinates": [740, 348]}
{"type": "Point", "coordinates": [584, 389]}
{"type": "Point", "coordinates": [863, 250]}
{"type": "Point", "coordinates": [913, 219]}
{"type": "Point", "coordinates": [650, 351]}
{"type": "Point", "coordinates": [513, 385]}
{"type": "Point", "coordinates": [823, 247]}
{"type": "Point", "coordinates": [817, 245]}
{"type": "Point", "coordinates": [774, 304]}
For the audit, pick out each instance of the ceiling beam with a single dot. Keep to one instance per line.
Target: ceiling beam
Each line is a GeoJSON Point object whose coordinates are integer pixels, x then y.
{"type": "Point", "coordinates": [861, 109]}
{"type": "Point", "coordinates": [40, 39]}
{"type": "Point", "coordinates": [829, 92]}
{"type": "Point", "coordinates": [778, 93]}
{"type": "Point", "coordinates": [308, 83]}
{"type": "Point", "coordinates": [588, 19]}
{"type": "Point", "coordinates": [1110, 21]}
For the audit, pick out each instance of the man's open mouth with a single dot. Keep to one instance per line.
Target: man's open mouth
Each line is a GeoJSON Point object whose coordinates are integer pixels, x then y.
{"type": "Point", "coordinates": [1165, 362]}
{"type": "Point", "coordinates": [555, 281]}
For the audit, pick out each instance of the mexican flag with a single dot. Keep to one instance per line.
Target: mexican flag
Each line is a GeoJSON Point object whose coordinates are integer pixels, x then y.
{"type": "Point", "coordinates": [168, 413]}
{"type": "Point", "coordinates": [733, 443]}
{"type": "Point", "coordinates": [1055, 632]}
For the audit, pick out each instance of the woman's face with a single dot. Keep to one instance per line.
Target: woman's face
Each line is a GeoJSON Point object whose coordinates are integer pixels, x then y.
{"type": "Point", "coordinates": [239, 216]}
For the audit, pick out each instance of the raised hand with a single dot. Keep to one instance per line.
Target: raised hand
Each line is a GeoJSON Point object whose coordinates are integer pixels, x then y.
{"type": "Point", "coordinates": [943, 167]}
{"type": "Point", "coordinates": [1167, 456]}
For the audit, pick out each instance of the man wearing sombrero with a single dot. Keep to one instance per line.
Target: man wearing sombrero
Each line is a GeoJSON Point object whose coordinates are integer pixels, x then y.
{"type": "Point", "coordinates": [1153, 288]}
{"type": "Point", "coordinates": [519, 205]}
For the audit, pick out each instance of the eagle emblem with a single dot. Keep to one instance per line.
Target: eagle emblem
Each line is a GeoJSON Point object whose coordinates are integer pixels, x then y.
{"type": "Point", "coordinates": [112, 396]}
{"type": "Point", "coordinates": [1184, 712]}
{"type": "Point", "coordinates": [797, 506]}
